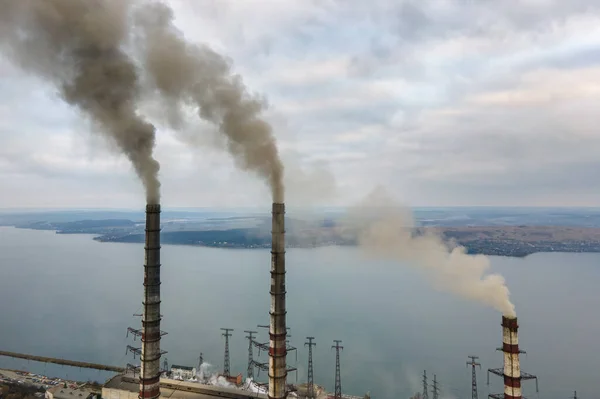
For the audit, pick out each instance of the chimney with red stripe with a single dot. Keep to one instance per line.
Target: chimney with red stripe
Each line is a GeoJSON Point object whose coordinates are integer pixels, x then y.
{"type": "Point", "coordinates": [512, 368]}
{"type": "Point", "coordinates": [150, 353]}
{"type": "Point", "coordinates": [277, 328]}
{"type": "Point", "coordinates": [511, 372]}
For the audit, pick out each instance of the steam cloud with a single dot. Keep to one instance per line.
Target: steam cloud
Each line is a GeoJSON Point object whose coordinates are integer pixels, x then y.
{"type": "Point", "coordinates": [385, 230]}
{"type": "Point", "coordinates": [77, 45]}
{"type": "Point", "coordinates": [185, 74]}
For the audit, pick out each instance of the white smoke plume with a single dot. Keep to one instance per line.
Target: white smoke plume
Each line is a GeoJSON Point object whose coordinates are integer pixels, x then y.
{"type": "Point", "coordinates": [253, 387]}
{"type": "Point", "coordinates": [220, 381]}
{"type": "Point", "coordinates": [385, 230]}
{"type": "Point", "coordinates": [205, 371]}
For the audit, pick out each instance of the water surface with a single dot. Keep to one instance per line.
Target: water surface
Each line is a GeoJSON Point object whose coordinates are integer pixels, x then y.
{"type": "Point", "coordinates": [69, 296]}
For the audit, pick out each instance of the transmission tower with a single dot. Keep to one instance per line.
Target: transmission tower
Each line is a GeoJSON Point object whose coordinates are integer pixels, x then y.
{"type": "Point", "coordinates": [250, 338]}
{"type": "Point", "coordinates": [338, 379]}
{"type": "Point", "coordinates": [574, 395]}
{"type": "Point", "coordinates": [425, 387]}
{"type": "Point", "coordinates": [311, 383]}
{"type": "Point", "coordinates": [200, 361]}
{"type": "Point", "coordinates": [473, 363]}
{"type": "Point", "coordinates": [226, 334]}
{"type": "Point", "coordinates": [166, 365]}
{"type": "Point", "coordinates": [435, 389]}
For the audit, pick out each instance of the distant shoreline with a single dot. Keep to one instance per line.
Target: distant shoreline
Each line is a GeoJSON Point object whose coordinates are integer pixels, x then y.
{"type": "Point", "coordinates": [268, 247]}
{"type": "Point", "coordinates": [510, 241]}
{"type": "Point", "coordinates": [519, 239]}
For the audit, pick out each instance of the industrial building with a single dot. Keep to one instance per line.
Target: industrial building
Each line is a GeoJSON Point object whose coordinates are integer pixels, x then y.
{"type": "Point", "coordinates": [62, 392]}
{"type": "Point", "coordinates": [182, 372]}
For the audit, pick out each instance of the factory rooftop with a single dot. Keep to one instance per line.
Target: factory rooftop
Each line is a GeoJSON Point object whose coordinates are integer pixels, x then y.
{"type": "Point", "coordinates": [61, 392]}
{"type": "Point", "coordinates": [125, 386]}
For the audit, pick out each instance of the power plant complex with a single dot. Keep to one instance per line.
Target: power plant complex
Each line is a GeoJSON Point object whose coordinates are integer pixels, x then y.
{"type": "Point", "coordinates": [106, 85]}
{"type": "Point", "coordinates": [150, 381]}
{"type": "Point", "coordinates": [152, 378]}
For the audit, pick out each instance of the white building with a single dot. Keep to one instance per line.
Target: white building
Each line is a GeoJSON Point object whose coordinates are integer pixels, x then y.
{"type": "Point", "coordinates": [182, 373]}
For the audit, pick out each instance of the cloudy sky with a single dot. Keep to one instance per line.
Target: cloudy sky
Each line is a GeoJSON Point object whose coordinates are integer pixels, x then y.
{"type": "Point", "coordinates": [443, 102]}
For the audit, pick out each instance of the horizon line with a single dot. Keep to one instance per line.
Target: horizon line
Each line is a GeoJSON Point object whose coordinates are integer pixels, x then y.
{"type": "Point", "coordinates": [259, 208]}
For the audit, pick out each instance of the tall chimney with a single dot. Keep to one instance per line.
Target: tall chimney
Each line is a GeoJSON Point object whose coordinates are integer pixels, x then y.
{"type": "Point", "coordinates": [512, 368]}
{"type": "Point", "coordinates": [277, 328]}
{"type": "Point", "coordinates": [511, 372]}
{"type": "Point", "coordinates": [150, 356]}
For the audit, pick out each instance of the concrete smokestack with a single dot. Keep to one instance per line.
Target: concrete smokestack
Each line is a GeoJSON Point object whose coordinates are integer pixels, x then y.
{"type": "Point", "coordinates": [150, 358]}
{"type": "Point", "coordinates": [277, 328]}
{"type": "Point", "coordinates": [512, 367]}
{"type": "Point", "coordinates": [511, 372]}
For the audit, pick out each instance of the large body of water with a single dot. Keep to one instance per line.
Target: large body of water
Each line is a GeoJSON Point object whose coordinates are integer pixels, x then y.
{"type": "Point", "coordinates": [69, 296]}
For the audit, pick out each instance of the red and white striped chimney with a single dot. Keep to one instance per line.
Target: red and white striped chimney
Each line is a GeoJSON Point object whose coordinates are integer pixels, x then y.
{"type": "Point", "coordinates": [277, 328]}
{"type": "Point", "coordinates": [512, 367]}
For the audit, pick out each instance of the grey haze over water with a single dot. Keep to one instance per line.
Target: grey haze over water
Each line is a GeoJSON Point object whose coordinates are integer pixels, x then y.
{"type": "Point", "coordinates": [69, 296]}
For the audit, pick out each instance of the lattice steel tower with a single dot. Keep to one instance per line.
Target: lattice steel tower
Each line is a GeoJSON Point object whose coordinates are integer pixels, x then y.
{"type": "Point", "coordinates": [250, 337]}
{"type": "Point", "coordinates": [226, 334]}
{"type": "Point", "coordinates": [310, 382]}
{"type": "Point", "coordinates": [425, 386]}
{"type": "Point", "coordinates": [435, 389]}
{"type": "Point", "coordinates": [473, 363]}
{"type": "Point", "coordinates": [338, 379]}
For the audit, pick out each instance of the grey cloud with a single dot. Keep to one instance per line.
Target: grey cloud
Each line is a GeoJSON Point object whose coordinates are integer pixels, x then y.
{"type": "Point", "coordinates": [439, 19]}
{"type": "Point", "coordinates": [417, 23]}
{"type": "Point", "coordinates": [485, 154]}
{"type": "Point", "coordinates": [571, 59]}
{"type": "Point", "coordinates": [573, 184]}
{"type": "Point", "coordinates": [515, 156]}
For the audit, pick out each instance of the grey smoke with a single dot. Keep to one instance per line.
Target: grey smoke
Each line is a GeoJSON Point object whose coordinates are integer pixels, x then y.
{"type": "Point", "coordinates": [78, 46]}
{"type": "Point", "coordinates": [385, 230]}
{"type": "Point", "coordinates": [185, 74]}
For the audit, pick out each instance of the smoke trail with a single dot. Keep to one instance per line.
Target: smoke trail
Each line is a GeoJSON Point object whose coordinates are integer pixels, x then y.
{"type": "Point", "coordinates": [385, 230]}
{"type": "Point", "coordinates": [76, 44]}
{"type": "Point", "coordinates": [188, 74]}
